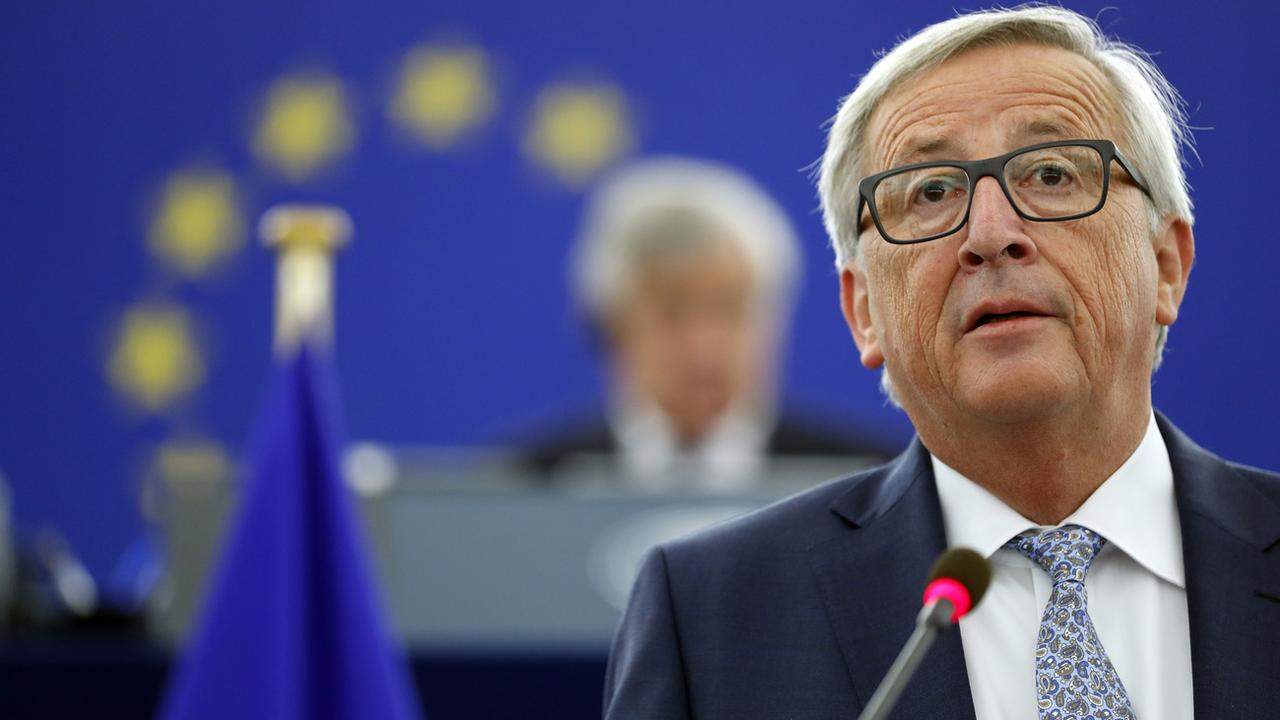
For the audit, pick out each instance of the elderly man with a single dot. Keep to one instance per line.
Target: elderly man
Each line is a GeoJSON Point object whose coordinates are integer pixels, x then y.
{"type": "Point", "coordinates": [1005, 195]}
{"type": "Point", "coordinates": [685, 270]}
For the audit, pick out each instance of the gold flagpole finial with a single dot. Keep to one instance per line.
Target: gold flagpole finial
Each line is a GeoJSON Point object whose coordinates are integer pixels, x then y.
{"type": "Point", "coordinates": [305, 238]}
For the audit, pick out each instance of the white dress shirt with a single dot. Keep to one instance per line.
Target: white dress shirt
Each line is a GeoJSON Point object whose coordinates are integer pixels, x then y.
{"type": "Point", "coordinates": [730, 458]}
{"type": "Point", "coordinates": [1136, 588]}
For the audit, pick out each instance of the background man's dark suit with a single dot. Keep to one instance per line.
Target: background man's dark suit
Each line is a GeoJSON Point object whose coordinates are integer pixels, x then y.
{"type": "Point", "coordinates": [791, 436]}
{"type": "Point", "coordinates": [797, 611]}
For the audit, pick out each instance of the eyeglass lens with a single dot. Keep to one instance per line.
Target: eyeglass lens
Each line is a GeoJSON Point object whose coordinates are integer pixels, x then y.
{"type": "Point", "coordinates": [1045, 184]}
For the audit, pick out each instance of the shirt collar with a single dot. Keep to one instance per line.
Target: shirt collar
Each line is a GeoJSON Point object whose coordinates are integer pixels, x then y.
{"type": "Point", "coordinates": [1134, 509]}
{"type": "Point", "coordinates": [729, 457]}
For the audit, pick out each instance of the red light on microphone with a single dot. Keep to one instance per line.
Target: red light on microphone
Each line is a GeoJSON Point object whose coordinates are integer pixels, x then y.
{"type": "Point", "coordinates": [952, 591]}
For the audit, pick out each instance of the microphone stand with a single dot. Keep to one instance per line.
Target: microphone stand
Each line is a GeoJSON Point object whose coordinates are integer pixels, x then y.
{"type": "Point", "coordinates": [933, 618]}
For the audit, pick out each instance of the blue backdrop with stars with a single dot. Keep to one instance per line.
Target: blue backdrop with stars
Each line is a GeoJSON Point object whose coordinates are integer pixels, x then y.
{"type": "Point", "coordinates": [142, 141]}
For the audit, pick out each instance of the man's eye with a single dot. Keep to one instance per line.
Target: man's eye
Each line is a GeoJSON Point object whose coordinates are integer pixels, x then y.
{"type": "Point", "coordinates": [1051, 175]}
{"type": "Point", "coordinates": [934, 192]}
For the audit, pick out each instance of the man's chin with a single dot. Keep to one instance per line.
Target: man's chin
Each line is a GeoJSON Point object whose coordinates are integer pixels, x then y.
{"type": "Point", "coordinates": [1015, 395]}
{"type": "Point", "coordinates": [694, 423]}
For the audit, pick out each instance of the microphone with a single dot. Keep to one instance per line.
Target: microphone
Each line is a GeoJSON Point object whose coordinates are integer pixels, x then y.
{"type": "Point", "coordinates": [957, 582]}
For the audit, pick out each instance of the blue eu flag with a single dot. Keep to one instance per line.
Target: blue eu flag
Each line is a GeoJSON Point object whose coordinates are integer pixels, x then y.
{"type": "Point", "coordinates": [291, 627]}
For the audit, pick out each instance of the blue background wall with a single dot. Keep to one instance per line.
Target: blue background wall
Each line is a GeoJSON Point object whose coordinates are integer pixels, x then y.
{"type": "Point", "coordinates": [454, 323]}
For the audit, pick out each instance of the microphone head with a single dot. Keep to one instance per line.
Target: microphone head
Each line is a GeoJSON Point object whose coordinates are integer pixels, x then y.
{"type": "Point", "coordinates": [961, 576]}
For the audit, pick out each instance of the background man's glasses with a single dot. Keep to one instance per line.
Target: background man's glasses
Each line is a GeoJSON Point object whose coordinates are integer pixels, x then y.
{"type": "Point", "coordinates": [1047, 182]}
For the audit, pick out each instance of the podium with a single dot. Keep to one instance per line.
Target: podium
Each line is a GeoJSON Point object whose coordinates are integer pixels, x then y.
{"type": "Point", "coordinates": [475, 555]}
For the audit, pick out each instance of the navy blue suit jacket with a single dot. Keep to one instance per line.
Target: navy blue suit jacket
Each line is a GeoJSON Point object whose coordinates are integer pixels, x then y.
{"type": "Point", "coordinates": [797, 610]}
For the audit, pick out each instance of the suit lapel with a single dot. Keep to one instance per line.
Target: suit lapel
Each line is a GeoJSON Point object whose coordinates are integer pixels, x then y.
{"type": "Point", "coordinates": [1230, 536]}
{"type": "Point", "coordinates": [871, 578]}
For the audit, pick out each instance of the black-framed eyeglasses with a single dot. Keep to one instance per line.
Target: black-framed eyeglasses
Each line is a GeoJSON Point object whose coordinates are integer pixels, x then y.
{"type": "Point", "coordinates": [1046, 182]}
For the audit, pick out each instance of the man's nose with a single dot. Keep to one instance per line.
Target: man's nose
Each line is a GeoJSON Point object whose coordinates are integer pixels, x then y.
{"type": "Point", "coordinates": [995, 234]}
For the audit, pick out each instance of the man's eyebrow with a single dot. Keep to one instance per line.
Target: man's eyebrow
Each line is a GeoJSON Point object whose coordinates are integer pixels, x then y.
{"type": "Point", "coordinates": [943, 148]}
{"type": "Point", "coordinates": [1046, 130]}
{"type": "Point", "coordinates": [927, 149]}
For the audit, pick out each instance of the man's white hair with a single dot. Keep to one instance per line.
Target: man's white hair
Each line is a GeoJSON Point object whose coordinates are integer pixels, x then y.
{"type": "Point", "coordinates": [670, 205]}
{"type": "Point", "coordinates": [1153, 122]}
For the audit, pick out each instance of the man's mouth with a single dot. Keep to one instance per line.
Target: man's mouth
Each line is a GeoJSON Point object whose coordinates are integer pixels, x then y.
{"type": "Point", "coordinates": [1000, 317]}
{"type": "Point", "coordinates": [994, 312]}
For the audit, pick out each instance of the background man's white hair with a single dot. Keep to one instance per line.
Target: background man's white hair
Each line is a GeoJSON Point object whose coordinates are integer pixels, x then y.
{"type": "Point", "coordinates": [1153, 123]}
{"type": "Point", "coordinates": [670, 205]}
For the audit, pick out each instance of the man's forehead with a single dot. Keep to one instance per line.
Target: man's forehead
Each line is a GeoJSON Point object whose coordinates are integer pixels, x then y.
{"type": "Point", "coordinates": [1004, 95]}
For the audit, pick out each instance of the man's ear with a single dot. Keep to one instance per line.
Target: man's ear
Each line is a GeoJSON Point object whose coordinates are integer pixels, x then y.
{"type": "Point", "coordinates": [1175, 248]}
{"type": "Point", "coordinates": [855, 305]}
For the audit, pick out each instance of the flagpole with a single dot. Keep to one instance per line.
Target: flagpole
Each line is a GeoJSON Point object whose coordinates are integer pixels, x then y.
{"type": "Point", "coordinates": [305, 238]}
{"type": "Point", "coordinates": [292, 625]}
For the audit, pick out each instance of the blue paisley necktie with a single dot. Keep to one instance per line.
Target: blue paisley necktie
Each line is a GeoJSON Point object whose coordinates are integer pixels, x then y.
{"type": "Point", "coordinates": [1074, 677]}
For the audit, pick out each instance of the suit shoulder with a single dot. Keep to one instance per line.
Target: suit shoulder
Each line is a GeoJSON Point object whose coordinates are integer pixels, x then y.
{"type": "Point", "coordinates": [1267, 481]}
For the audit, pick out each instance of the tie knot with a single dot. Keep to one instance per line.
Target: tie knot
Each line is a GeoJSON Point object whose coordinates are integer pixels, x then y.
{"type": "Point", "coordinates": [1065, 553]}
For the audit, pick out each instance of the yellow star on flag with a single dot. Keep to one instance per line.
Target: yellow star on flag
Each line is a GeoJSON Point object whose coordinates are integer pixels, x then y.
{"type": "Point", "coordinates": [442, 93]}
{"type": "Point", "coordinates": [577, 130]}
{"type": "Point", "coordinates": [198, 221]}
{"type": "Point", "coordinates": [155, 361]}
{"type": "Point", "coordinates": [305, 125]}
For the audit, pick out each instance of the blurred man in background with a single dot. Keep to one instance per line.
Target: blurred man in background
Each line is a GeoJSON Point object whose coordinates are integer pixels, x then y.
{"type": "Point", "coordinates": [686, 272]}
